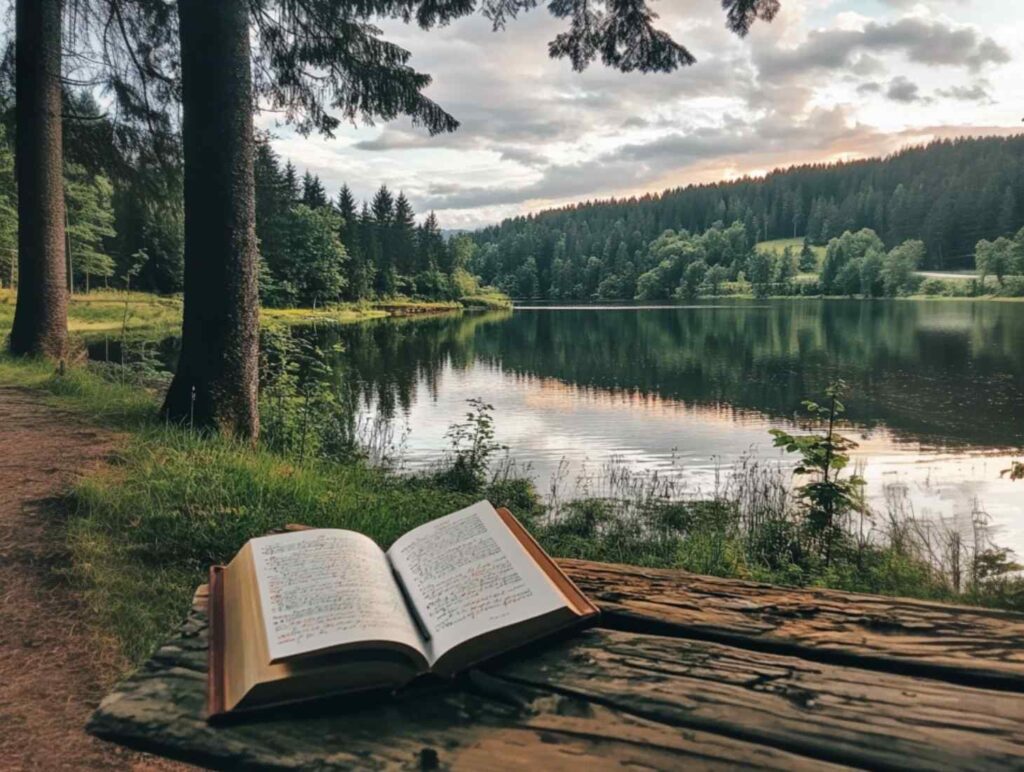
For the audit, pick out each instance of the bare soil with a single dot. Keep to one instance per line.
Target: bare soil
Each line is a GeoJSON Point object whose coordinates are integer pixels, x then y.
{"type": "Point", "coordinates": [55, 665]}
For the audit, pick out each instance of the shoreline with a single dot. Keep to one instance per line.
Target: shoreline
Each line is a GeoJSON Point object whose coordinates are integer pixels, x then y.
{"type": "Point", "coordinates": [104, 312]}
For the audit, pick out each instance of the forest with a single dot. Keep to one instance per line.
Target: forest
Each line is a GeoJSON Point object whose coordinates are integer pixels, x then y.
{"type": "Point", "coordinates": [125, 226]}
{"type": "Point", "coordinates": [948, 195]}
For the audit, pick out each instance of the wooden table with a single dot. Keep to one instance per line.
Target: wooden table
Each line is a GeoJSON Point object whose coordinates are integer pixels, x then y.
{"type": "Point", "coordinates": [684, 670]}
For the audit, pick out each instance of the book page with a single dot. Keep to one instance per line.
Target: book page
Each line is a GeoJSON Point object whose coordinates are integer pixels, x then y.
{"type": "Point", "coordinates": [324, 588]}
{"type": "Point", "coordinates": [467, 575]}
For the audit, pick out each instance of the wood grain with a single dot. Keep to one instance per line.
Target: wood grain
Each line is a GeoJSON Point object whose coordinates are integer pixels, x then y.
{"type": "Point", "coordinates": [482, 722]}
{"type": "Point", "coordinates": [604, 698]}
{"type": "Point", "coordinates": [959, 644]}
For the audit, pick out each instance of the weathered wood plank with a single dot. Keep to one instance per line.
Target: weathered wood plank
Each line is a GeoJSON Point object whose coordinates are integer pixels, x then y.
{"type": "Point", "coordinates": [483, 722]}
{"type": "Point", "coordinates": [964, 645]}
{"type": "Point", "coordinates": [829, 712]}
{"type": "Point", "coordinates": [607, 697]}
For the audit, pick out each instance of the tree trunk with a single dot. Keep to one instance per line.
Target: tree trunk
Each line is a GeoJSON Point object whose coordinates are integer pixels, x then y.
{"type": "Point", "coordinates": [216, 383]}
{"type": "Point", "coordinates": [41, 316]}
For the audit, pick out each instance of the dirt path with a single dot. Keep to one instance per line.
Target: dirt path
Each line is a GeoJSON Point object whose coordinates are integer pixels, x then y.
{"type": "Point", "coordinates": [53, 667]}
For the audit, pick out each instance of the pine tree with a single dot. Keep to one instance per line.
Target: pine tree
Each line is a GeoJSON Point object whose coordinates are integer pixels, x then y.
{"type": "Point", "coordinates": [808, 261]}
{"type": "Point", "coordinates": [90, 214]}
{"type": "Point", "coordinates": [313, 194]}
{"type": "Point", "coordinates": [403, 237]}
{"type": "Point", "coordinates": [8, 215]}
{"type": "Point", "coordinates": [381, 214]}
{"type": "Point", "coordinates": [432, 251]}
{"type": "Point", "coordinates": [346, 207]}
{"type": "Point", "coordinates": [41, 315]}
{"type": "Point", "coordinates": [360, 272]}
{"type": "Point", "coordinates": [291, 183]}
{"type": "Point", "coordinates": [1007, 221]}
{"type": "Point", "coordinates": [216, 382]}
{"type": "Point", "coordinates": [273, 204]}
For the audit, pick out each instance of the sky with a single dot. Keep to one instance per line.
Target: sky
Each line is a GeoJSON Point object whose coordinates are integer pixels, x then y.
{"type": "Point", "coordinates": [827, 80]}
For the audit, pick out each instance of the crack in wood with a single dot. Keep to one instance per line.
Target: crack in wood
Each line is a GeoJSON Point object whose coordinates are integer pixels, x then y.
{"type": "Point", "coordinates": [966, 676]}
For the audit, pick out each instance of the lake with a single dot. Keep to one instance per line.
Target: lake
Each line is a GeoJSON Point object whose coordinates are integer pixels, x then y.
{"type": "Point", "coordinates": [936, 395]}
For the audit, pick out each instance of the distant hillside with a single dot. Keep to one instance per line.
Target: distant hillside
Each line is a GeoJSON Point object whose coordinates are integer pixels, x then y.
{"type": "Point", "coordinates": [950, 194]}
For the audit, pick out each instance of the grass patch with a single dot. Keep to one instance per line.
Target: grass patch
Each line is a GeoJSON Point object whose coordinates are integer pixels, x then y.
{"type": "Point", "coordinates": [143, 531]}
{"type": "Point", "coordinates": [491, 301]}
{"type": "Point", "coordinates": [106, 311]}
{"type": "Point", "coordinates": [778, 246]}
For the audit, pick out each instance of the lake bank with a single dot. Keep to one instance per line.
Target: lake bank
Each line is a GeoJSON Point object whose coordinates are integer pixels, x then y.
{"type": "Point", "coordinates": [691, 392]}
{"type": "Point", "coordinates": [141, 531]}
{"type": "Point", "coordinates": [104, 312]}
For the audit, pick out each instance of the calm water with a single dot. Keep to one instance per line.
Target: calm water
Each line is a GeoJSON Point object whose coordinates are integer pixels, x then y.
{"type": "Point", "coordinates": [937, 389]}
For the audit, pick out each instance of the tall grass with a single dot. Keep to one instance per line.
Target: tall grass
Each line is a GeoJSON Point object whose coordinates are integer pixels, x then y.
{"type": "Point", "coordinates": [752, 526]}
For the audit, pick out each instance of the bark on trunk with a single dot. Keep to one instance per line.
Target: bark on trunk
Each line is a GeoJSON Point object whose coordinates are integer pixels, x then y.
{"type": "Point", "coordinates": [41, 316]}
{"type": "Point", "coordinates": [216, 382]}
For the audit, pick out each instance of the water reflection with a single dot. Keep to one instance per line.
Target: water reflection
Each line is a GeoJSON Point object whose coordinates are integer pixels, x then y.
{"type": "Point", "coordinates": [936, 387]}
{"type": "Point", "coordinates": [943, 373]}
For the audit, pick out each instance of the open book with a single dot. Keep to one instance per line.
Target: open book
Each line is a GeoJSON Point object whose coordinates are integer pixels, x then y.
{"type": "Point", "coordinates": [315, 612]}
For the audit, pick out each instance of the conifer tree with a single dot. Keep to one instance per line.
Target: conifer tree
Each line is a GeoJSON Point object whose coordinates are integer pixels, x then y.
{"type": "Point", "coordinates": [403, 236]}
{"type": "Point", "coordinates": [40, 316]}
{"type": "Point", "coordinates": [382, 210]}
{"type": "Point", "coordinates": [8, 215]}
{"type": "Point", "coordinates": [90, 224]}
{"type": "Point", "coordinates": [273, 203]}
{"type": "Point", "coordinates": [346, 207]}
{"type": "Point", "coordinates": [1007, 222]}
{"type": "Point", "coordinates": [369, 247]}
{"type": "Point", "coordinates": [313, 194]}
{"type": "Point", "coordinates": [291, 183]}
{"type": "Point", "coordinates": [431, 251]}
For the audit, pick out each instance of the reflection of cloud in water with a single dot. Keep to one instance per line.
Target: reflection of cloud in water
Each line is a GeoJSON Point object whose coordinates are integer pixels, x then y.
{"type": "Point", "coordinates": [546, 422]}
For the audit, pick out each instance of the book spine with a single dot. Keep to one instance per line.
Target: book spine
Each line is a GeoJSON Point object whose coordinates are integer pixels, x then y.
{"type": "Point", "coordinates": [215, 698]}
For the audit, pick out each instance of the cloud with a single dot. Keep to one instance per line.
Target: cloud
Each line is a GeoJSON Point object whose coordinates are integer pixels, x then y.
{"type": "Point", "coordinates": [809, 87]}
{"type": "Point", "coordinates": [902, 89]}
{"type": "Point", "coordinates": [637, 165]}
{"type": "Point", "coordinates": [922, 41]}
{"type": "Point", "coordinates": [976, 92]}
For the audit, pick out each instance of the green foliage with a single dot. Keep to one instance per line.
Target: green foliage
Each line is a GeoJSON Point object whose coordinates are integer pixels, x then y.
{"type": "Point", "coordinates": [758, 271]}
{"type": "Point", "coordinates": [808, 260]}
{"type": "Point", "coordinates": [471, 449]}
{"type": "Point", "coordinates": [842, 251]}
{"type": "Point", "coordinates": [996, 258]}
{"type": "Point", "coordinates": [716, 276]}
{"type": "Point", "coordinates": [90, 216]}
{"type": "Point", "coordinates": [917, 194]}
{"type": "Point", "coordinates": [828, 496]}
{"type": "Point", "coordinates": [693, 277]}
{"type": "Point", "coordinates": [315, 252]}
{"type": "Point", "coordinates": [315, 273]}
{"type": "Point", "coordinates": [8, 214]}
{"type": "Point", "coordinates": [302, 414]}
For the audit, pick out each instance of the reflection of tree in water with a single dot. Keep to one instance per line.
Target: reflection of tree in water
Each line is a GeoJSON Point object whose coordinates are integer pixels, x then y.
{"type": "Point", "coordinates": [385, 362]}
{"type": "Point", "coordinates": [939, 371]}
